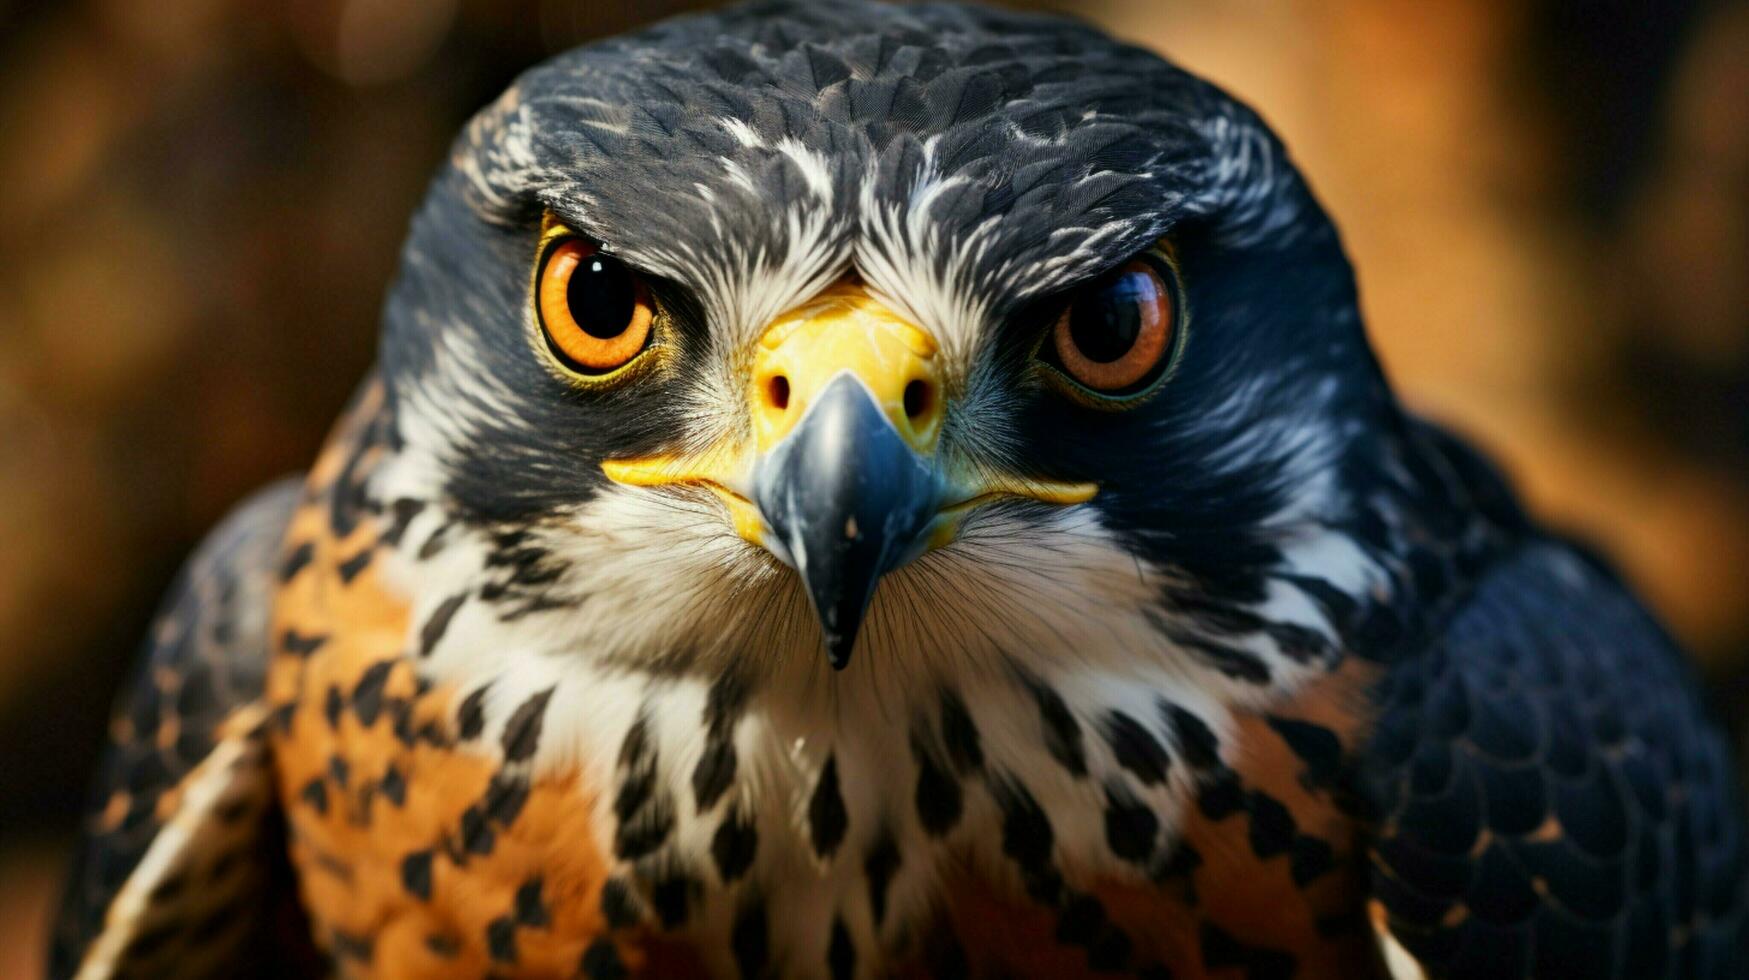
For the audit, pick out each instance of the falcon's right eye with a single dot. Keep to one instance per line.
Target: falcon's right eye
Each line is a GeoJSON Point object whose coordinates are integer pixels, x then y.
{"type": "Point", "coordinates": [594, 312]}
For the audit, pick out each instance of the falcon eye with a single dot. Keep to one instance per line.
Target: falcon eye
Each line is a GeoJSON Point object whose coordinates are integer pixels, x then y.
{"type": "Point", "coordinates": [594, 313]}
{"type": "Point", "coordinates": [1117, 335]}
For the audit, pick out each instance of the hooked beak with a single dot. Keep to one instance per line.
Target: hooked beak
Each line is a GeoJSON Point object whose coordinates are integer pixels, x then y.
{"type": "Point", "coordinates": [841, 480]}
{"type": "Point", "coordinates": [847, 501]}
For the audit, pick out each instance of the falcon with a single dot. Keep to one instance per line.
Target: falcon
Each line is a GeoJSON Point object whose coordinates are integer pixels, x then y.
{"type": "Point", "coordinates": [853, 491]}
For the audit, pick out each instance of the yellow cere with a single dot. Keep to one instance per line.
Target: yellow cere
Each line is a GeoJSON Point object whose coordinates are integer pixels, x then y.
{"type": "Point", "coordinates": [845, 329]}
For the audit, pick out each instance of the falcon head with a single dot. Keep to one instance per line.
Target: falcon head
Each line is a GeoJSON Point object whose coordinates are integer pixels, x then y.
{"type": "Point", "coordinates": [943, 336]}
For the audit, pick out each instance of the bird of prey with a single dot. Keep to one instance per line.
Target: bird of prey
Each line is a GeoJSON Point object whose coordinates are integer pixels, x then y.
{"type": "Point", "coordinates": [852, 491]}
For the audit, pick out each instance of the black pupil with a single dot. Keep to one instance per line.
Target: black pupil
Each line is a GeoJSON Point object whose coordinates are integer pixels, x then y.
{"type": "Point", "coordinates": [601, 296]}
{"type": "Point", "coordinates": [1106, 318]}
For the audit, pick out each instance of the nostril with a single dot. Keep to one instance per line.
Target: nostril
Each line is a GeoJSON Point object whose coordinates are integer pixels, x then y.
{"type": "Point", "coordinates": [919, 399]}
{"type": "Point", "coordinates": [777, 392]}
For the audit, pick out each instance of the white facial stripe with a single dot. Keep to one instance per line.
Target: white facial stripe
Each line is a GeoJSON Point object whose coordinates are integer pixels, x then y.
{"type": "Point", "coordinates": [916, 269]}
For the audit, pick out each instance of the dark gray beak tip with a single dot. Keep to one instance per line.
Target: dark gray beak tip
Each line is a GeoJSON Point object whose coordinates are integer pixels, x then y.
{"type": "Point", "coordinates": [848, 497]}
{"type": "Point", "coordinates": [839, 605]}
{"type": "Point", "coordinates": [838, 650]}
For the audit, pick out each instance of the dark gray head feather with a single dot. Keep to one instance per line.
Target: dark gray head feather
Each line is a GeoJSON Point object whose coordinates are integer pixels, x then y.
{"type": "Point", "coordinates": [677, 147]}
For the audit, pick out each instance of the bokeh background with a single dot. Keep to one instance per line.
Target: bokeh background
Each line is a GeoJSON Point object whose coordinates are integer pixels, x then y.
{"type": "Point", "coordinates": [201, 202]}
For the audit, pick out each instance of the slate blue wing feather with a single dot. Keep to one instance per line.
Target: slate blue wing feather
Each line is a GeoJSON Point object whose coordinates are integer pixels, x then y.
{"type": "Point", "coordinates": [178, 849]}
{"type": "Point", "coordinates": [1553, 799]}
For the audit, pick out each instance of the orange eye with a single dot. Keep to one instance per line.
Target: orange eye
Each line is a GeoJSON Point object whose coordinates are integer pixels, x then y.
{"type": "Point", "coordinates": [1117, 332]}
{"type": "Point", "coordinates": [594, 312]}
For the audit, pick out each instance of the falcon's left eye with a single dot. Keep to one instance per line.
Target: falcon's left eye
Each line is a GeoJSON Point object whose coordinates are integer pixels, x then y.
{"type": "Point", "coordinates": [594, 312]}
{"type": "Point", "coordinates": [1117, 336]}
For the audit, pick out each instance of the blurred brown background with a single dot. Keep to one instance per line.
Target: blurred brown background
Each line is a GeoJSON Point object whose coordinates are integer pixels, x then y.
{"type": "Point", "coordinates": [201, 202]}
